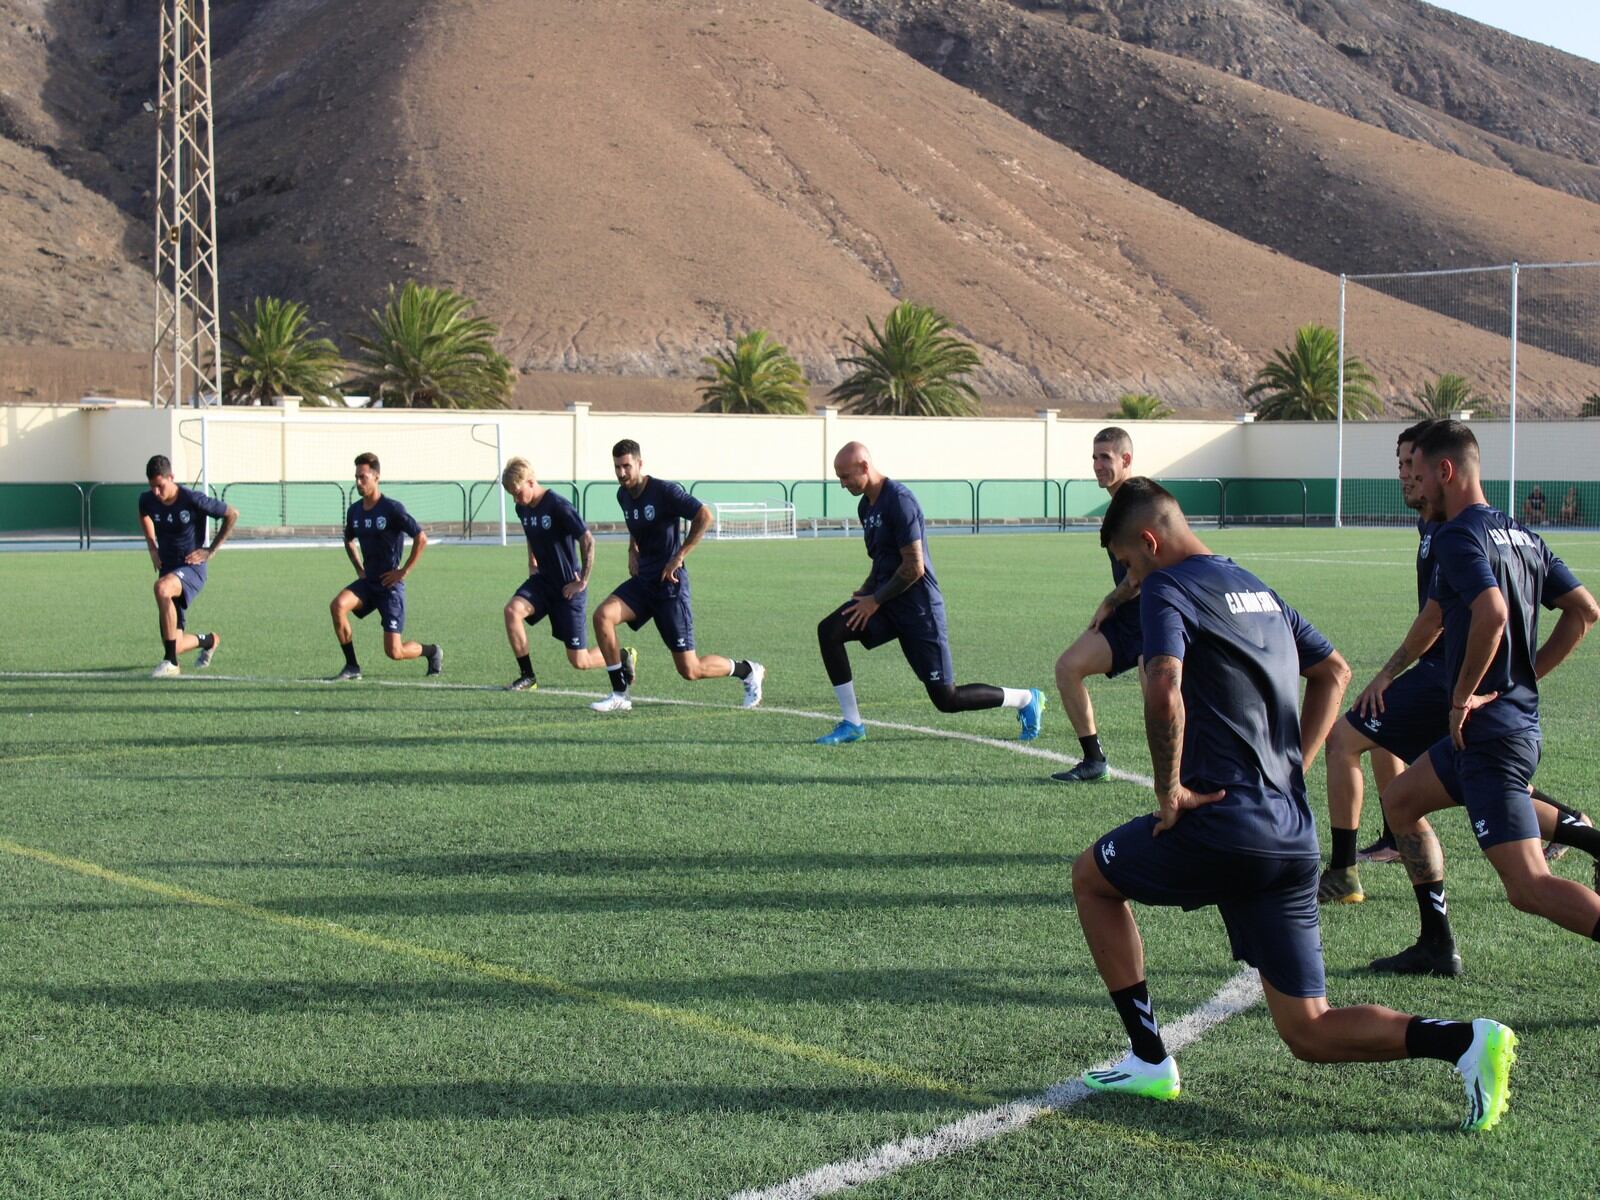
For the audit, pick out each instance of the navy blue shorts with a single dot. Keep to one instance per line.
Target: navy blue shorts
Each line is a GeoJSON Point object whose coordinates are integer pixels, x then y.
{"type": "Point", "coordinates": [567, 624]}
{"type": "Point", "coordinates": [1123, 631]}
{"type": "Point", "coordinates": [1269, 905]}
{"type": "Point", "coordinates": [1416, 713]}
{"type": "Point", "coordinates": [667, 604]}
{"type": "Point", "coordinates": [1490, 780]}
{"type": "Point", "coordinates": [389, 603]}
{"type": "Point", "coordinates": [193, 581]}
{"type": "Point", "coordinates": [921, 634]}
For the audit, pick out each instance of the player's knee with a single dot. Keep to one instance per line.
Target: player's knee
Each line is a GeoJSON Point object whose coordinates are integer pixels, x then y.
{"type": "Point", "coordinates": [1085, 874]}
{"type": "Point", "coordinates": [513, 613]}
{"type": "Point", "coordinates": [943, 696]}
{"type": "Point", "coordinates": [1523, 894]}
{"type": "Point", "coordinates": [1343, 740]}
{"type": "Point", "coordinates": [336, 608]}
{"type": "Point", "coordinates": [393, 648]}
{"type": "Point", "coordinates": [830, 630]}
{"type": "Point", "coordinates": [1303, 1043]}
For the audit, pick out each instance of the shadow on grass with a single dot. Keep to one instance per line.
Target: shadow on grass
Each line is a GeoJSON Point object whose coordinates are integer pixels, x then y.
{"type": "Point", "coordinates": [601, 861]}
{"type": "Point", "coordinates": [48, 1109]}
{"type": "Point", "coordinates": [905, 987]}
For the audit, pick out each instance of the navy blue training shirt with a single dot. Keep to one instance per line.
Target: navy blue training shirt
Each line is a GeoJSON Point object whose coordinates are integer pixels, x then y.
{"type": "Point", "coordinates": [551, 526]}
{"type": "Point", "coordinates": [1242, 650]}
{"type": "Point", "coordinates": [890, 525]}
{"type": "Point", "coordinates": [1480, 549]}
{"type": "Point", "coordinates": [382, 531]}
{"type": "Point", "coordinates": [652, 518]}
{"type": "Point", "coordinates": [1425, 530]}
{"type": "Point", "coordinates": [181, 525]}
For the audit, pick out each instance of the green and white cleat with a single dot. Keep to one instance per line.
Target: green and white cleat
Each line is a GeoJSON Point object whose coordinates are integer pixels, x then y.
{"type": "Point", "coordinates": [612, 704]}
{"type": "Point", "coordinates": [166, 670]}
{"type": "Point", "coordinates": [630, 666]}
{"type": "Point", "coordinates": [1135, 1077]}
{"type": "Point", "coordinates": [1340, 885]}
{"type": "Point", "coordinates": [207, 653]}
{"type": "Point", "coordinates": [1485, 1069]}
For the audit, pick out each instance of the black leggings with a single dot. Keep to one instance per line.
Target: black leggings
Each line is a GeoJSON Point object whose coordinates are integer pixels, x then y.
{"type": "Point", "coordinates": [833, 633]}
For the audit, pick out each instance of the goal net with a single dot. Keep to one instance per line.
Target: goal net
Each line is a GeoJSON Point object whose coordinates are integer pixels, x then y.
{"type": "Point", "coordinates": [293, 476]}
{"type": "Point", "coordinates": [748, 522]}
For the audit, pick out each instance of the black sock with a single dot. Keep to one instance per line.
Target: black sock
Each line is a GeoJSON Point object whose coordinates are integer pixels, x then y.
{"type": "Point", "coordinates": [429, 649]}
{"type": "Point", "coordinates": [207, 640]}
{"type": "Point", "coordinates": [349, 649]}
{"type": "Point", "coordinates": [525, 665]}
{"type": "Point", "coordinates": [1092, 750]}
{"type": "Point", "coordinates": [1344, 849]}
{"type": "Point", "coordinates": [1571, 831]}
{"type": "Point", "coordinates": [1595, 932]}
{"type": "Point", "coordinates": [1139, 1019]}
{"type": "Point", "coordinates": [1554, 803]}
{"type": "Point", "coordinates": [619, 679]}
{"type": "Point", "coordinates": [172, 650]}
{"type": "Point", "coordinates": [1434, 911]}
{"type": "Point", "coordinates": [1429, 1038]}
{"type": "Point", "coordinates": [741, 669]}
{"type": "Point", "coordinates": [1388, 834]}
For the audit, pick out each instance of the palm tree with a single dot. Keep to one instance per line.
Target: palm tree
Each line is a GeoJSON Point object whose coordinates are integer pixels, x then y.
{"type": "Point", "coordinates": [270, 353]}
{"type": "Point", "coordinates": [1591, 406]}
{"type": "Point", "coordinates": [912, 367]}
{"type": "Point", "coordinates": [1443, 396]}
{"type": "Point", "coordinates": [1302, 383]}
{"type": "Point", "coordinates": [1141, 406]}
{"type": "Point", "coordinates": [428, 352]}
{"type": "Point", "coordinates": [754, 375]}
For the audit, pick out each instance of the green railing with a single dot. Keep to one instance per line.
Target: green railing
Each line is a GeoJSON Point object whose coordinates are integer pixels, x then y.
{"type": "Point", "coordinates": [43, 511]}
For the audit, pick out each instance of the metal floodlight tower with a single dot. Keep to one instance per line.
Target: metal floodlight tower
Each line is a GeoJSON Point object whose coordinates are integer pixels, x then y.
{"type": "Point", "coordinates": [187, 358]}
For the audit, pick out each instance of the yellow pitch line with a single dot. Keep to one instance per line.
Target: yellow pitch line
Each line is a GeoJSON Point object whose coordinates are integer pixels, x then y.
{"type": "Point", "coordinates": [662, 1013]}
{"type": "Point", "coordinates": [668, 1015]}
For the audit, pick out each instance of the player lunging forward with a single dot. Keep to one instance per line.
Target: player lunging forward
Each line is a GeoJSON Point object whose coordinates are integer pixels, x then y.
{"type": "Point", "coordinates": [174, 523]}
{"type": "Point", "coordinates": [1110, 645]}
{"type": "Point", "coordinates": [1491, 577]}
{"type": "Point", "coordinates": [900, 601]}
{"type": "Point", "coordinates": [375, 531]}
{"type": "Point", "coordinates": [557, 584]}
{"type": "Point", "coordinates": [657, 587]}
{"type": "Point", "coordinates": [1223, 657]}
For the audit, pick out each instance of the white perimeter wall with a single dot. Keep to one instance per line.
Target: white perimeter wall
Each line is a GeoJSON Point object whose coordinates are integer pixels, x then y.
{"type": "Point", "coordinates": [39, 444]}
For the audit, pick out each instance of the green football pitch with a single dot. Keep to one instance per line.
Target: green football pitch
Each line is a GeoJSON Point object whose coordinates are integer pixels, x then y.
{"type": "Point", "coordinates": [267, 936]}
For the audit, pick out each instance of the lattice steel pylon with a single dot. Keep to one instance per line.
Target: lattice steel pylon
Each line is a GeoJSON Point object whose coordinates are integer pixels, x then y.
{"type": "Point", "coordinates": [186, 359]}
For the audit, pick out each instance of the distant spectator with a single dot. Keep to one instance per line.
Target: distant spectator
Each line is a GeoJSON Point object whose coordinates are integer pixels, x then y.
{"type": "Point", "coordinates": [1572, 507]}
{"type": "Point", "coordinates": [1533, 507]}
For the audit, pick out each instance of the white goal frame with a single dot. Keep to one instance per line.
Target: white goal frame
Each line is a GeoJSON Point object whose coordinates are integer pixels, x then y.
{"type": "Point", "coordinates": [752, 521]}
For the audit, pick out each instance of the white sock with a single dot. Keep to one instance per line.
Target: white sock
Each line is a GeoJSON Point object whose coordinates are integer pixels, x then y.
{"type": "Point", "coordinates": [847, 702]}
{"type": "Point", "coordinates": [1015, 697]}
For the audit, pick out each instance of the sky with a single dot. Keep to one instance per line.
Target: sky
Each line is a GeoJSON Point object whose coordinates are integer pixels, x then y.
{"type": "Point", "coordinates": [1570, 25]}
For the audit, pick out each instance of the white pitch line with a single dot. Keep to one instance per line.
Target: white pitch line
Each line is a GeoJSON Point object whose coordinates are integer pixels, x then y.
{"type": "Point", "coordinates": [1237, 995]}
{"type": "Point", "coordinates": [1015, 747]}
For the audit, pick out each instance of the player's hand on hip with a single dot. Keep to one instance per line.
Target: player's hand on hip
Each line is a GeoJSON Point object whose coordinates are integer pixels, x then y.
{"type": "Point", "coordinates": [1180, 802]}
{"type": "Point", "coordinates": [573, 588]}
{"type": "Point", "coordinates": [1102, 614]}
{"type": "Point", "coordinates": [196, 557]}
{"type": "Point", "coordinates": [392, 578]}
{"type": "Point", "coordinates": [669, 573]}
{"type": "Point", "coordinates": [1460, 714]}
{"type": "Point", "coordinates": [859, 611]}
{"type": "Point", "coordinates": [1370, 702]}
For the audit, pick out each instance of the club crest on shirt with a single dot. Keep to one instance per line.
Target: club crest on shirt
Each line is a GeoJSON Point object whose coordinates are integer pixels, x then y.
{"type": "Point", "coordinates": [649, 512]}
{"type": "Point", "coordinates": [545, 521]}
{"type": "Point", "coordinates": [383, 522]}
{"type": "Point", "coordinates": [184, 516]}
{"type": "Point", "coordinates": [1427, 545]}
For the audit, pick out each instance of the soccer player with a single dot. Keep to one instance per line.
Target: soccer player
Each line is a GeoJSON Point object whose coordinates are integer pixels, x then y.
{"type": "Point", "coordinates": [174, 521]}
{"type": "Point", "coordinates": [900, 601]}
{"type": "Point", "coordinates": [1110, 645]}
{"type": "Point", "coordinates": [1223, 657]}
{"type": "Point", "coordinates": [557, 586]}
{"type": "Point", "coordinates": [1491, 576]}
{"type": "Point", "coordinates": [657, 587]}
{"type": "Point", "coordinates": [375, 531]}
{"type": "Point", "coordinates": [1399, 715]}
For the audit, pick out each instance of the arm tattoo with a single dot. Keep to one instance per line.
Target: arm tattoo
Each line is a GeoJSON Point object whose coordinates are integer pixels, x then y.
{"type": "Point", "coordinates": [905, 575]}
{"type": "Point", "coordinates": [1164, 729]}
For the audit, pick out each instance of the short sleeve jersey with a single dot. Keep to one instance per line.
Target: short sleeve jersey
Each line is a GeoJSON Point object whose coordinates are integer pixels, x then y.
{"type": "Point", "coordinates": [382, 531]}
{"type": "Point", "coordinates": [1480, 549]}
{"type": "Point", "coordinates": [653, 518]}
{"type": "Point", "coordinates": [1243, 650]}
{"type": "Point", "coordinates": [181, 525]}
{"type": "Point", "coordinates": [1434, 655]}
{"type": "Point", "coordinates": [890, 525]}
{"type": "Point", "coordinates": [551, 526]}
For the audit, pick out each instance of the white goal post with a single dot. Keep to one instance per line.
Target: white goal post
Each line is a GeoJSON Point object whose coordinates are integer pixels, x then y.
{"type": "Point", "coordinates": [748, 522]}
